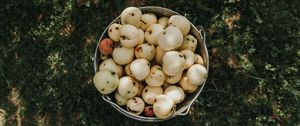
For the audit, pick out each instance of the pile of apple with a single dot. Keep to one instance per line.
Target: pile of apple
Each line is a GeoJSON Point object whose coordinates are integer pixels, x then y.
{"type": "Point", "coordinates": [149, 64]}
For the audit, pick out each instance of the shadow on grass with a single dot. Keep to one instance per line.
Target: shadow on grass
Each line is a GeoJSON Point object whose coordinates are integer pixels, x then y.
{"type": "Point", "coordinates": [46, 65]}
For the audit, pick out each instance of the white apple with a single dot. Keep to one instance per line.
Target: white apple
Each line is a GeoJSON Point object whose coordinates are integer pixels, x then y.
{"type": "Point", "coordinates": [131, 15]}
{"type": "Point", "coordinates": [169, 39]}
{"type": "Point", "coordinates": [147, 19]}
{"type": "Point", "coordinates": [181, 22]}
{"type": "Point", "coordinates": [129, 36]}
{"type": "Point", "coordinates": [152, 33]}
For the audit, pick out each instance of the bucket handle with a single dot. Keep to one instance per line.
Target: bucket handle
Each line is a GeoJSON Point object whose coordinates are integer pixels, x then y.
{"type": "Point", "coordinates": [108, 100]}
{"type": "Point", "coordinates": [185, 110]}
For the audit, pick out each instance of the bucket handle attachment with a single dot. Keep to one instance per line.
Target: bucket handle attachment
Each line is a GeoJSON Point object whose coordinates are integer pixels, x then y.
{"type": "Point", "coordinates": [202, 32]}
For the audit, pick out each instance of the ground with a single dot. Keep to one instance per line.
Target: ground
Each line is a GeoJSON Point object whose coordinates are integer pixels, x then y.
{"type": "Point", "coordinates": [46, 62]}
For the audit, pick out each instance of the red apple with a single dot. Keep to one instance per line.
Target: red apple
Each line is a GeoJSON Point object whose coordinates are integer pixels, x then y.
{"type": "Point", "coordinates": [149, 111]}
{"type": "Point", "coordinates": [106, 46]}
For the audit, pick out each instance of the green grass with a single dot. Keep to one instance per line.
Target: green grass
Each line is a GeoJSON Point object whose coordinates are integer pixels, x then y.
{"type": "Point", "coordinates": [46, 62]}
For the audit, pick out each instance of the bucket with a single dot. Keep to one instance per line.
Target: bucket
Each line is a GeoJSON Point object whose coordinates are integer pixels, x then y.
{"type": "Point", "coordinates": [181, 108]}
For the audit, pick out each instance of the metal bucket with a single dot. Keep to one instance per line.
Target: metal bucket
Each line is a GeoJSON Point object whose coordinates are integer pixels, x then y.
{"type": "Point", "coordinates": [182, 108]}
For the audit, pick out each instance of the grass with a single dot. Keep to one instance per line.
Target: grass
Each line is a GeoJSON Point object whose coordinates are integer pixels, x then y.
{"type": "Point", "coordinates": [47, 48]}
